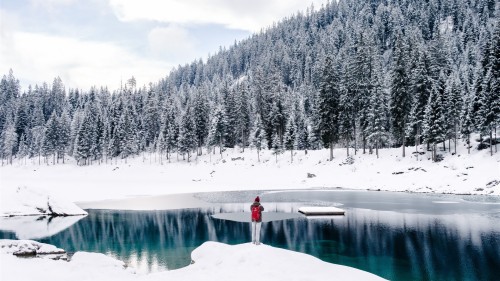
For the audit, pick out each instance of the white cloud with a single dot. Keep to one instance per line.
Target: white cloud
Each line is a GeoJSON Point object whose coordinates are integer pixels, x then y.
{"type": "Point", "coordinates": [36, 58]}
{"type": "Point", "coordinates": [173, 43]}
{"type": "Point", "coordinates": [237, 14]}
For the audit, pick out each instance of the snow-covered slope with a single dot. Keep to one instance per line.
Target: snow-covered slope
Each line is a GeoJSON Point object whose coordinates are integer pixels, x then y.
{"type": "Point", "coordinates": [462, 173]}
{"type": "Point", "coordinates": [477, 173]}
{"type": "Point", "coordinates": [212, 261]}
{"type": "Point", "coordinates": [24, 201]}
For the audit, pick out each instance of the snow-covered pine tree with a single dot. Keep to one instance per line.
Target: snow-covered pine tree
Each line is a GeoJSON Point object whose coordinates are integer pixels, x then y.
{"type": "Point", "coordinates": [23, 148]}
{"type": "Point", "coordinates": [421, 88]}
{"type": "Point", "coordinates": [9, 141]}
{"type": "Point", "coordinates": [51, 137]}
{"type": "Point", "coordinates": [466, 120]}
{"type": "Point", "coordinates": [434, 124]}
{"type": "Point", "coordinates": [217, 129]}
{"type": "Point", "coordinates": [258, 136]}
{"type": "Point", "coordinates": [453, 104]}
{"type": "Point", "coordinates": [376, 130]}
{"type": "Point", "coordinates": [302, 131]}
{"type": "Point", "coordinates": [487, 113]}
{"type": "Point", "coordinates": [277, 146]}
{"type": "Point", "coordinates": [400, 102]}
{"type": "Point", "coordinates": [347, 114]}
{"type": "Point", "coordinates": [126, 134]}
{"type": "Point", "coordinates": [244, 114]}
{"type": "Point", "coordinates": [328, 101]}
{"type": "Point", "coordinates": [230, 117]}
{"type": "Point", "coordinates": [201, 119]}
{"type": "Point", "coordinates": [290, 135]}
{"type": "Point", "coordinates": [84, 139]}
{"type": "Point", "coordinates": [152, 120]}
{"type": "Point", "coordinates": [187, 133]}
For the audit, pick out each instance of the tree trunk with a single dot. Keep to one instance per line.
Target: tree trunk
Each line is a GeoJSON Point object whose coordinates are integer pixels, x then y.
{"type": "Point", "coordinates": [220, 147]}
{"type": "Point", "coordinates": [364, 145]}
{"type": "Point", "coordinates": [291, 155]}
{"type": "Point", "coordinates": [455, 139]}
{"type": "Point", "coordinates": [491, 142]}
{"type": "Point", "coordinates": [496, 149]}
{"type": "Point", "coordinates": [376, 148]}
{"type": "Point", "coordinates": [258, 154]}
{"type": "Point", "coordinates": [404, 145]}
{"type": "Point", "coordinates": [355, 139]}
{"type": "Point", "coordinates": [468, 143]}
{"type": "Point", "coordinates": [434, 152]}
{"type": "Point", "coordinates": [331, 150]}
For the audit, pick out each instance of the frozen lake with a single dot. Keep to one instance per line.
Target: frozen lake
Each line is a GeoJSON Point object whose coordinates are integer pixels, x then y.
{"type": "Point", "coordinates": [398, 236]}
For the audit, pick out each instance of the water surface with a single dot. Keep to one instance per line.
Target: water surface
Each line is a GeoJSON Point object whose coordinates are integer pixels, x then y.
{"type": "Point", "coordinates": [397, 236]}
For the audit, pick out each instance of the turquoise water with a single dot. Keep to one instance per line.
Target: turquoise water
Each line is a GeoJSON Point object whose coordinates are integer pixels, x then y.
{"type": "Point", "coordinates": [394, 235]}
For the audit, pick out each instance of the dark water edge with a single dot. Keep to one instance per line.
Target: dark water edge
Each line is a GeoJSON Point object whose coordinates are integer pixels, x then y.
{"type": "Point", "coordinates": [441, 244]}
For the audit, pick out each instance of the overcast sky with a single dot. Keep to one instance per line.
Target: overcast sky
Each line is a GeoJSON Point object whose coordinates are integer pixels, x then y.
{"type": "Point", "coordinates": [102, 42]}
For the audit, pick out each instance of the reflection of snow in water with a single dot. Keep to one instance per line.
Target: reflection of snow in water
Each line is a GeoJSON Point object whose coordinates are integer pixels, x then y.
{"type": "Point", "coordinates": [37, 227]}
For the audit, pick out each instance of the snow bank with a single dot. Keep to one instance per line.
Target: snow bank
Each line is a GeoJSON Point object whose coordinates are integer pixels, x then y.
{"type": "Point", "coordinates": [23, 201]}
{"type": "Point", "coordinates": [212, 261]}
{"type": "Point", "coordinates": [27, 247]}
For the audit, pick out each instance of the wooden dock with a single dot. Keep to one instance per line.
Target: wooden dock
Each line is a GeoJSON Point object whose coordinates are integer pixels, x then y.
{"type": "Point", "coordinates": [321, 211]}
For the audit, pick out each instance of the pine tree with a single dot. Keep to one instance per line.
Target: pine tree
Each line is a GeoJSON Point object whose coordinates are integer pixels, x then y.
{"type": "Point", "coordinates": [421, 88]}
{"type": "Point", "coordinates": [453, 103]}
{"type": "Point", "coordinates": [487, 112]}
{"type": "Point", "coordinates": [290, 135]}
{"type": "Point", "coordinates": [9, 141]}
{"type": "Point", "coordinates": [152, 120]}
{"type": "Point", "coordinates": [244, 115]}
{"type": "Point", "coordinates": [467, 122]}
{"type": "Point", "coordinates": [258, 136]}
{"type": "Point", "coordinates": [400, 103]}
{"type": "Point", "coordinates": [434, 124]}
{"type": "Point", "coordinates": [329, 106]}
{"type": "Point", "coordinates": [276, 145]}
{"type": "Point", "coordinates": [187, 133]}
{"type": "Point", "coordinates": [201, 119]}
{"type": "Point", "coordinates": [378, 112]}
{"type": "Point", "coordinates": [51, 137]}
{"type": "Point", "coordinates": [23, 150]}
{"type": "Point", "coordinates": [217, 128]}
{"type": "Point", "coordinates": [84, 140]}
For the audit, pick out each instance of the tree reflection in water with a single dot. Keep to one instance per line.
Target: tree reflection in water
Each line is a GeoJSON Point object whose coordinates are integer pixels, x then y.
{"type": "Point", "coordinates": [393, 245]}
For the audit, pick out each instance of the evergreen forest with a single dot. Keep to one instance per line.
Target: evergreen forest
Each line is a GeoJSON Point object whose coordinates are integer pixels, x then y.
{"type": "Point", "coordinates": [353, 74]}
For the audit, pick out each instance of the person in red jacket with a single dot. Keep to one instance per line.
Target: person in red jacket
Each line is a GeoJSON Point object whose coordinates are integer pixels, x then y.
{"type": "Point", "coordinates": [256, 208]}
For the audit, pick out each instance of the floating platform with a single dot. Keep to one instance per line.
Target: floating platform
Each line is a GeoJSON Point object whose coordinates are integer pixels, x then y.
{"type": "Point", "coordinates": [321, 211]}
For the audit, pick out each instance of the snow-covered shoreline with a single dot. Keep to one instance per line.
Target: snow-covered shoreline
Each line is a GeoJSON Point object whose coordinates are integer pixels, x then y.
{"type": "Point", "coordinates": [212, 261]}
{"type": "Point", "coordinates": [475, 173]}
{"type": "Point", "coordinates": [24, 201]}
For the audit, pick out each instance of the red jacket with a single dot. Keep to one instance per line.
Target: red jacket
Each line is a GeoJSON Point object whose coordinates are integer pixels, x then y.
{"type": "Point", "coordinates": [257, 204]}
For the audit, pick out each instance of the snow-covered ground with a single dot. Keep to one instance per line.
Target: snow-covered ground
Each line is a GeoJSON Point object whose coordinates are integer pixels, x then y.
{"type": "Point", "coordinates": [212, 261]}
{"type": "Point", "coordinates": [477, 173]}
{"type": "Point", "coordinates": [24, 201]}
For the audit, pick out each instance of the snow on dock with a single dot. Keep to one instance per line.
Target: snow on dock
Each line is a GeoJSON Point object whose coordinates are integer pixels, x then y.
{"type": "Point", "coordinates": [321, 211]}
